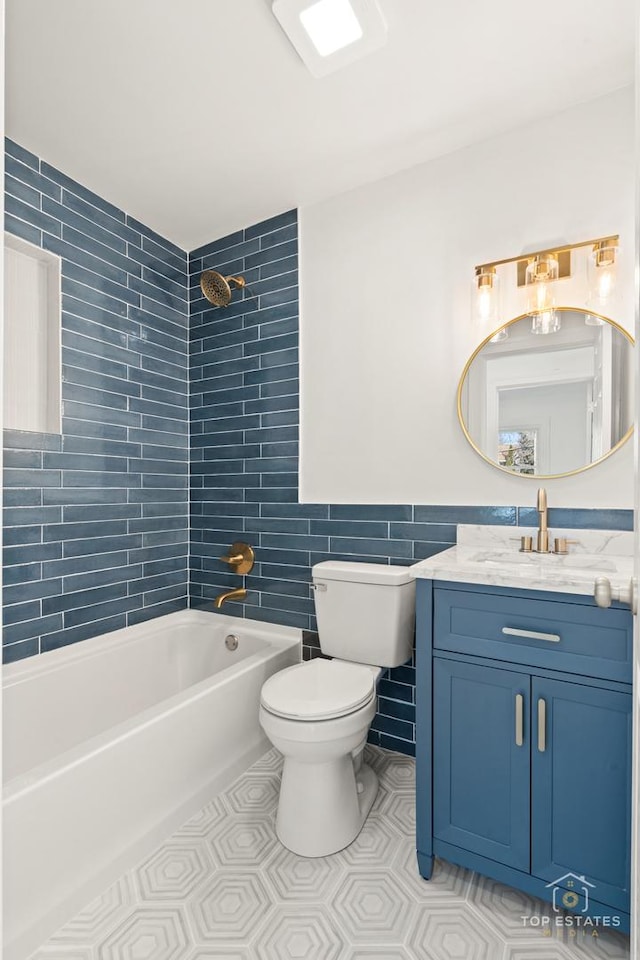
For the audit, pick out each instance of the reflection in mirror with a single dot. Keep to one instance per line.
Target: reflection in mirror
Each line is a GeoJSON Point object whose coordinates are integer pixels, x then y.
{"type": "Point", "coordinates": [553, 404]}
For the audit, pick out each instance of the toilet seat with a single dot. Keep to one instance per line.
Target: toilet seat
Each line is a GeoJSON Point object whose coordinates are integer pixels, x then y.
{"type": "Point", "coordinates": [319, 690]}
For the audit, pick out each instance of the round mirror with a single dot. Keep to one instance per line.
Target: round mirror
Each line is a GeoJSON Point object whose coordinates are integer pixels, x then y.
{"type": "Point", "coordinates": [549, 394]}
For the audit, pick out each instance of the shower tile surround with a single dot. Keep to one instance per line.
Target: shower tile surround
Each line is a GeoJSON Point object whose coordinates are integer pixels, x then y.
{"type": "Point", "coordinates": [96, 520]}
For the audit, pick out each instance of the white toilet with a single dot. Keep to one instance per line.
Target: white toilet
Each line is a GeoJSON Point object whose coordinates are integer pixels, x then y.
{"type": "Point", "coordinates": [318, 713]}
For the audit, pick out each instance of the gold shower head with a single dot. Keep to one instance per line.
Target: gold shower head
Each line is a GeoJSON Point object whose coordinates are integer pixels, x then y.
{"type": "Point", "coordinates": [217, 289]}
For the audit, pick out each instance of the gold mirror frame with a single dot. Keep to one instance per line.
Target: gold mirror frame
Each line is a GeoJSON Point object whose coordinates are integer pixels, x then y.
{"type": "Point", "coordinates": [463, 377]}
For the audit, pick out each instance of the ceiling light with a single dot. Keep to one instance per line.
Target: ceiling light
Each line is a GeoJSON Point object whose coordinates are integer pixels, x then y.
{"type": "Point", "coordinates": [331, 25]}
{"type": "Point", "coordinates": [330, 34]}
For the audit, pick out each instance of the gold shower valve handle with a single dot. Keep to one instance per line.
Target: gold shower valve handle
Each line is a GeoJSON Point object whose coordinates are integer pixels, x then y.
{"type": "Point", "coordinates": [234, 560]}
{"type": "Point", "coordinates": [241, 557]}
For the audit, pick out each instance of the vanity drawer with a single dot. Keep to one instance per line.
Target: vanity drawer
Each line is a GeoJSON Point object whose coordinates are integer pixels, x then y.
{"type": "Point", "coordinates": [545, 633]}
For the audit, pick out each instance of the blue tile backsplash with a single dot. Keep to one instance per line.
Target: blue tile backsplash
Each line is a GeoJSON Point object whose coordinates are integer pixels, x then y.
{"type": "Point", "coordinates": [97, 521]}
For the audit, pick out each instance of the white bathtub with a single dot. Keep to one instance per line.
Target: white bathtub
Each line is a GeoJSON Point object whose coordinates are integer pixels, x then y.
{"type": "Point", "coordinates": [111, 743]}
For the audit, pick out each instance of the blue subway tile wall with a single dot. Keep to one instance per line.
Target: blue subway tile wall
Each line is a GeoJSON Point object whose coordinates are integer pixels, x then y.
{"type": "Point", "coordinates": [96, 520]}
{"type": "Point", "coordinates": [244, 464]}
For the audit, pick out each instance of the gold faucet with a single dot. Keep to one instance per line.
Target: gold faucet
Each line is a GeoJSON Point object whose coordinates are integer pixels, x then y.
{"type": "Point", "coordinates": [542, 541]}
{"type": "Point", "coordinates": [239, 594]}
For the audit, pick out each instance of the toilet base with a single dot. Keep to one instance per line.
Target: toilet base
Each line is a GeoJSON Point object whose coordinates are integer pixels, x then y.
{"type": "Point", "coordinates": [323, 806]}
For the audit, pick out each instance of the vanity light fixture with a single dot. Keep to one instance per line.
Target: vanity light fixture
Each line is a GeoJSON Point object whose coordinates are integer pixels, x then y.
{"type": "Point", "coordinates": [539, 272]}
{"type": "Point", "coordinates": [486, 285]}
{"type": "Point", "coordinates": [329, 34]}
{"type": "Point", "coordinates": [602, 272]}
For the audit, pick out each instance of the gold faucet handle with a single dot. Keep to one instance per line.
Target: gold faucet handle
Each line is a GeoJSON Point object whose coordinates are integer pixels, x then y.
{"type": "Point", "coordinates": [561, 545]}
{"type": "Point", "coordinates": [241, 557]}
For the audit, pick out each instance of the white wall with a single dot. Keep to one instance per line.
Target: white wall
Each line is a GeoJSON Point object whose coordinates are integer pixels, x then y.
{"type": "Point", "coordinates": [386, 278]}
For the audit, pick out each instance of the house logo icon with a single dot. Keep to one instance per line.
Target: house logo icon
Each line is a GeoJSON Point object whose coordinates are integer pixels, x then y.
{"type": "Point", "coordinates": [569, 890]}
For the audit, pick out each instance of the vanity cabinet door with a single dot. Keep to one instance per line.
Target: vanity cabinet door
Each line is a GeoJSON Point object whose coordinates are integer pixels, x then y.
{"type": "Point", "coordinates": [481, 760]}
{"type": "Point", "coordinates": [581, 780]}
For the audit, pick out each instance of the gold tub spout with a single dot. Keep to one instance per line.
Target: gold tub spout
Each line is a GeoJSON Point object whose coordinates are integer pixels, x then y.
{"type": "Point", "coordinates": [238, 594]}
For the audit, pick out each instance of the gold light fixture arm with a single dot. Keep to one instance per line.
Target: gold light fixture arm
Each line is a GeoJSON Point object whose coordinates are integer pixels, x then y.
{"type": "Point", "coordinates": [609, 241]}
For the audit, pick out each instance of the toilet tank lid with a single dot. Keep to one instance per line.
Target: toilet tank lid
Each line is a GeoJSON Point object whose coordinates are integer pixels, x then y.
{"type": "Point", "coordinates": [345, 570]}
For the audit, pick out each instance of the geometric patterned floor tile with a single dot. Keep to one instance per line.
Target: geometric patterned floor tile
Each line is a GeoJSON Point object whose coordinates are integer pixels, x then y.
{"type": "Point", "coordinates": [253, 793]}
{"type": "Point", "coordinates": [448, 882]}
{"type": "Point", "coordinates": [449, 932]}
{"type": "Point", "coordinates": [174, 871]}
{"type": "Point", "coordinates": [229, 907]}
{"type": "Point", "coordinates": [224, 888]}
{"type": "Point", "coordinates": [270, 763]}
{"type": "Point", "coordinates": [201, 824]}
{"type": "Point", "coordinates": [400, 812]}
{"type": "Point", "coordinates": [372, 907]}
{"type": "Point", "coordinates": [148, 934]}
{"type": "Point", "coordinates": [378, 953]}
{"type": "Point", "coordinates": [301, 879]}
{"type": "Point", "coordinates": [376, 843]}
{"type": "Point", "coordinates": [398, 771]}
{"type": "Point", "coordinates": [503, 908]}
{"type": "Point", "coordinates": [300, 933]}
{"type": "Point", "coordinates": [244, 841]}
{"type": "Point", "coordinates": [63, 953]}
{"type": "Point", "coordinates": [99, 916]}
{"type": "Point", "coordinates": [609, 946]}
{"type": "Point", "coordinates": [541, 949]}
{"type": "Point", "coordinates": [221, 953]}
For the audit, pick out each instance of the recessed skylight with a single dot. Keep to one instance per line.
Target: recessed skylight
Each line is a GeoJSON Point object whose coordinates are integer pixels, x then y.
{"type": "Point", "coordinates": [330, 34]}
{"type": "Point", "coordinates": [331, 25]}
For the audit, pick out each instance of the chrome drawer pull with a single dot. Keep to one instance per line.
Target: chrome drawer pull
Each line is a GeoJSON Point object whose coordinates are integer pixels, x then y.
{"type": "Point", "coordinates": [519, 719]}
{"type": "Point", "coordinates": [531, 634]}
{"type": "Point", "coordinates": [542, 725]}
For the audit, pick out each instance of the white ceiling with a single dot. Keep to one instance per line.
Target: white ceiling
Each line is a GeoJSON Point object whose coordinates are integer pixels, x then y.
{"type": "Point", "coordinates": [197, 116]}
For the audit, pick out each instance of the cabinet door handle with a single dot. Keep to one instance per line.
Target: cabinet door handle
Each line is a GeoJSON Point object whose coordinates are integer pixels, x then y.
{"type": "Point", "coordinates": [531, 634]}
{"type": "Point", "coordinates": [542, 725]}
{"type": "Point", "coordinates": [519, 719]}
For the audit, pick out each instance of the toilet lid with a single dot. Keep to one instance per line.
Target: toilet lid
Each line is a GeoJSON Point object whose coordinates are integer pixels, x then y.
{"type": "Point", "coordinates": [319, 690]}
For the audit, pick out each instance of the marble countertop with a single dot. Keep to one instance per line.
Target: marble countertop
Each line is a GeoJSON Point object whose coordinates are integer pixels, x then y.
{"type": "Point", "coordinates": [490, 555]}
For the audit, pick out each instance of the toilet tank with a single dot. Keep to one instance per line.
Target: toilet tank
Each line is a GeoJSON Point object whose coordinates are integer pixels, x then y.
{"type": "Point", "coordinates": [365, 611]}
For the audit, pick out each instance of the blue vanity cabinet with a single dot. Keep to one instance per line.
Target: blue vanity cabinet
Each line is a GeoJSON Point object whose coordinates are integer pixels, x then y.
{"type": "Point", "coordinates": [581, 782]}
{"type": "Point", "coordinates": [481, 760]}
{"type": "Point", "coordinates": [523, 742]}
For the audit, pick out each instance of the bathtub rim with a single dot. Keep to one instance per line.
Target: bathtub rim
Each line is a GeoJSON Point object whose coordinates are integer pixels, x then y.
{"type": "Point", "coordinates": [277, 638]}
{"type": "Point", "coordinates": [53, 660]}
